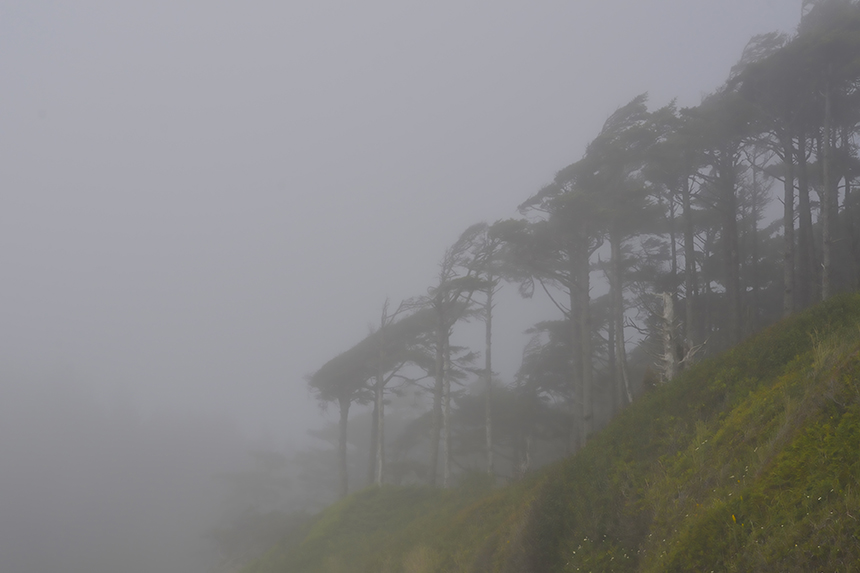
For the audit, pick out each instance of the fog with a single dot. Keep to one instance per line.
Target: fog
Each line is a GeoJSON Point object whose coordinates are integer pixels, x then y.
{"type": "Point", "coordinates": [202, 202]}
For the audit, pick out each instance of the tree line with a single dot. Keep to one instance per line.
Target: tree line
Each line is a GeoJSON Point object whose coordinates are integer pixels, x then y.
{"type": "Point", "coordinates": [702, 224]}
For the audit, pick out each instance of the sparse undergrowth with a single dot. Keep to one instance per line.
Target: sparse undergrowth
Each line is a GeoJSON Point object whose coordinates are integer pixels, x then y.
{"type": "Point", "coordinates": [748, 462]}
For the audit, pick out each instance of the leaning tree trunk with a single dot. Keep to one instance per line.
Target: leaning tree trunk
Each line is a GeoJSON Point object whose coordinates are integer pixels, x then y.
{"type": "Point", "coordinates": [343, 404]}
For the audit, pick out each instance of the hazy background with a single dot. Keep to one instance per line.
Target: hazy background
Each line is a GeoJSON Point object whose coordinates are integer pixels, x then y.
{"type": "Point", "coordinates": [201, 202]}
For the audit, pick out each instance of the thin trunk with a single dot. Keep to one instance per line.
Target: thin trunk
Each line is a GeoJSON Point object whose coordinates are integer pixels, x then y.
{"type": "Point", "coordinates": [690, 286]}
{"type": "Point", "coordinates": [788, 227]}
{"type": "Point", "coordinates": [374, 436]}
{"type": "Point", "coordinates": [826, 199]}
{"type": "Point", "coordinates": [380, 443]}
{"type": "Point", "coordinates": [842, 246]}
{"type": "Point", "coordinates": [617, 396]}
{"type": "Point", "coordinates": [850, 212]}
{"type": "Point", "coordinates": [752, 322]}
{"type": "Point", "coordinates": [522, 453]}
{"type": "Point", "coordinates": [517, 458]}
{"type": "Point", "coordinates": [670, 356]}
{"type": "Point", "coordinates": [673, 245]}
{"type": "Point", "coordinates": [576, 407]}
{"type": "Point", "coordinates": [806, 283]}
{"type": "Point", "coordinates": [845, 153]}
{"type": "Point", "coordinates": [576, 404]}
{"type": "Point", "coordinates": [527, 454]}
{"type": "Point", "coordinates": [446, 417]}
{"type": "Point", "coordinates": [708, 312]}
{"type": "Point", "coordinates": [618, 316]}
{"type": "Point", "coordinates": [343, 404]}
{"type": "Point", "coordinates": [379, 407]}
{"type": "Point", "coordinates": [731, 250]}
{"type": "Point", "coordinates": [488, 373]}
{"type": "Point", "coordinates": [438, 389]}
{"type": "Point", "coordinates": [583, 304]}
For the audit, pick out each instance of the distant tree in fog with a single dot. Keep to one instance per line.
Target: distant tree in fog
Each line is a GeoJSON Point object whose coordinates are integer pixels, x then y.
{"type": "Point", "coordinates": [675, 208]}
{"type": "Point", "coordinates": [343, 380]}
{"type": "Point", "coordinates": [459, 278]}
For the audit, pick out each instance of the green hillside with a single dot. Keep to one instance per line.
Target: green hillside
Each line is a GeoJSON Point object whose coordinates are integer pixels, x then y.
{"type": "Point", "coordinates": [748, 462]}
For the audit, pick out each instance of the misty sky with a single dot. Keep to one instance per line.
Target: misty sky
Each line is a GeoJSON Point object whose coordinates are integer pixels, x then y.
{"type": "Point", "coordinates": [201, 202]}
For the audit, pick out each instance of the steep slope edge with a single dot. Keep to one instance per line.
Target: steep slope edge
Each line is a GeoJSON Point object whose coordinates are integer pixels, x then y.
{"type": "Point", "coordinates": [750, 461]}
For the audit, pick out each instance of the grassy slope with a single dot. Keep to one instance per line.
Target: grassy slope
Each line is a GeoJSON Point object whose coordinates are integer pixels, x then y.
{"type": "Point", "coordinates": [750, 461]}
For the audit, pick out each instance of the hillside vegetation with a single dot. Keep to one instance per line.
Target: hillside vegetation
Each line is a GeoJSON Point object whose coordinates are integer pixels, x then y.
{"type": "Point", "coordinates": [748, 462]}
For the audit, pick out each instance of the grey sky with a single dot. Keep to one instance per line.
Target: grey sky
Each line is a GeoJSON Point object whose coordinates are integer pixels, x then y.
{"type": "Point", "coordinates": [204, 201]}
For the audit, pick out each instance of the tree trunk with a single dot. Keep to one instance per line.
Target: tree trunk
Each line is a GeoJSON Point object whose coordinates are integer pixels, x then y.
{"type": "Point", "coordinates": [806, 283]}
{"type": "Point", "coordinates": [380, 441]}
{"type": "Point", "coordinates": [583, 303]}
{"type": "Point", "coordinates": [850, 213]}
{"type": "Point", "coordinates": [670, 356]}
{"type": "Point", "coordinates": [527, 455]}
{"type": "Point", "coordinates": [826, 199]}
{"type": "Point", "coordinates": [617, 298]}
{"type": "Point", "coordinates": [673, 244]}
{"type": "Point", "coordinates": [446, 417]}
{"type": "Point", "coordinates": [843, 240]}
{"type": "Point", "coordinates": [488, 373]}
{"type": "Point", "coordinates": [343, 404]}
{"type": "Point", "coordinates": [617, 394]}
{"type": "Point", "coordinates": [379, 410]}
{"type": "Point", "coordinates": [522, 454]}
{"type": "Point", "coordinates": [374, 436]}
{"type": "Point", "coordinates": [575, 400]}
{"type": "Point", "coordinates": [708, 312]}
{"type": "Point", "coordinates": [576, 405]}
{"type": "Point", "coordinates": [731, 247]}
{"type": "Point", "coordinates": [755, 209]}
{"type": "Point", "coordinates": [438, 389]}
{"type": "Point", "coordinates": [788, 229]}
{"type": "Point", "coordinates": [690, 286]}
